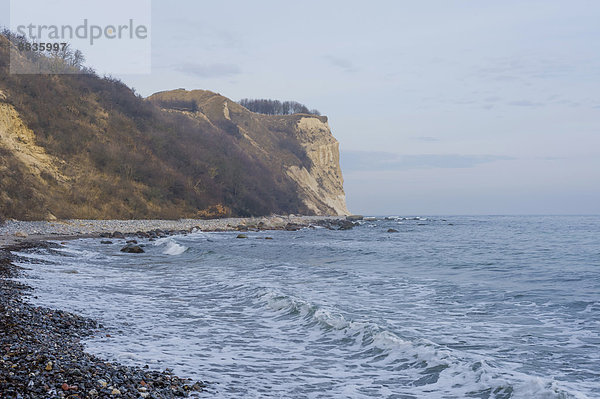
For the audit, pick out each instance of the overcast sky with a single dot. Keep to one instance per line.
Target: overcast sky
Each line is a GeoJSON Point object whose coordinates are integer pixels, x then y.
{"type": "Point", "coordinates": [440, 107]}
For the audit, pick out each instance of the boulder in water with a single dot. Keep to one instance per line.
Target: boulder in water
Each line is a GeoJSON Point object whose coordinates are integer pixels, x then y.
{"type": "Point", "coordinates": [132, 249]}
{"type": "Point", "coordinates": [346, 225]}
{"type": "Point", "coordinates": [293, 227]}
{"type": "Point", "coordinates": [354, 218]}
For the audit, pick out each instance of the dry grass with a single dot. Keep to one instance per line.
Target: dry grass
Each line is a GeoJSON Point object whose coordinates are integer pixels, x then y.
{"type": "Point", "coordinates": [123, 157]}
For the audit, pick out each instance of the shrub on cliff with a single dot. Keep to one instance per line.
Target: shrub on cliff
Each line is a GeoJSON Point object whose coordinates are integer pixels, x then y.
{"type": "Point", "coordinates": [276, 107]}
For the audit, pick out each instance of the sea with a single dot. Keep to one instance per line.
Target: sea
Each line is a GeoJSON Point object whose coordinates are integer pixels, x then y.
{"type": "Point", "coordinates": [446, 307]}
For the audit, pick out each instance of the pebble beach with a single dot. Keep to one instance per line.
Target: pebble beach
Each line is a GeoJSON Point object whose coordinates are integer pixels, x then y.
{"type": "Point", "coordinates": [13, 231]}
{"type": "Point", "coordinates": [40, 349]}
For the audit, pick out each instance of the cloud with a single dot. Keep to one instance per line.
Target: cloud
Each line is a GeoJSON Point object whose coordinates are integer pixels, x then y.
{"type": "Point", "coordinates": [425, 138]}
{"type": "Point", "coordinates": [209, 70]}
{"type": "Point", "coordinates": [492, 99]}
{"type": "Point", "coordinates": [552, 158]}
{"type": "Point", "coordinates": [525, 103]}
{"type": "Point", "coordinates": [517, 68]}
{"type": "Point", "coordinates": [341, 63]}
{"type": "Point", "coordinates": [385, 161]}
{"type": "Point", "coordinates": [203, 36]}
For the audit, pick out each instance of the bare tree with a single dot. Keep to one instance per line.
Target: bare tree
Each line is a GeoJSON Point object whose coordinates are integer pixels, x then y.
{"type": "Point", "coordinates": [276, 107]}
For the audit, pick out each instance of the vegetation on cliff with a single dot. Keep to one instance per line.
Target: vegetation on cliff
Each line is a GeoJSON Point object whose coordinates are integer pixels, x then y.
{"type": "Point", "coordinates": [83, 146]}
{"type": "Point", "coordinates": [276, 107]}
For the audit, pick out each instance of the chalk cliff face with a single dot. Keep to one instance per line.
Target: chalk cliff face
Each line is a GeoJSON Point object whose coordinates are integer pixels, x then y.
{"type": "Point", "coordinates": [19, 140]}
{"type": "Point", "coordinates": [322, 183]}
{"type": "Point", "coordinates": [300, 145]}
{"type": "Point", "coordinates": [23, 164]}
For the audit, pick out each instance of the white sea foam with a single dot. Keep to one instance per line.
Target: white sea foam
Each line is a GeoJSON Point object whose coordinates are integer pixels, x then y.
{"type": "Point", "coordinates": [379, 318]}
{"type": "Point", "coordinates": [447, 369]}
{"type": "Point", "coordinates": [82, 253]}
{"type": "Point", "coordinates": [171, 246]}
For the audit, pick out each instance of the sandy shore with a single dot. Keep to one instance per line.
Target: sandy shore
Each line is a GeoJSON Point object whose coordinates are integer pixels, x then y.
{"type": "Point", "coordinates": [12, 232]}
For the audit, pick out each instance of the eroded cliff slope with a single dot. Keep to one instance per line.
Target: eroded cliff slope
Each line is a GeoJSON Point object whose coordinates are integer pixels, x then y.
{"type": "Point", "coordinates": [301, 146]}
{"type": "Point", "coordinates": [81, 146]}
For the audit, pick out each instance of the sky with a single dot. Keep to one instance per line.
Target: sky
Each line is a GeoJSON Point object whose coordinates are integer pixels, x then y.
{"type": "Point", "coordinates": [440, 107]}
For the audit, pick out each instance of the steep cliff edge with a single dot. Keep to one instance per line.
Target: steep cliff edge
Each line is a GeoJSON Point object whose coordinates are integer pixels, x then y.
{"type": "Point", "coordinates": [79, 146]}
{"type": "Point", "coordinates": [19, 141]}
{"type": "Point", "coordinates": [24, 166]}
{"type": "Point", "coordinates": [322, 184]}
{"type": "Point", "coordinates": [300, 145]}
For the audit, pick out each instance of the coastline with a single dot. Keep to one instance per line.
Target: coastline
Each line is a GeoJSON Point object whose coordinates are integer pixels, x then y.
{"type": "Point", "coordinates": [14, 232]}
{"type": "Point", "coordinates": [42, 355]}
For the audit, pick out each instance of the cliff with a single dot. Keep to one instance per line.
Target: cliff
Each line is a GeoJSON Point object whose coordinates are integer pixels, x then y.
{"type": "Point", "coordinates": [301, 145]}
{"type": "Point", "coordinates": [321, 184]}
{"type": "Point", "coordinates": [81, 146]}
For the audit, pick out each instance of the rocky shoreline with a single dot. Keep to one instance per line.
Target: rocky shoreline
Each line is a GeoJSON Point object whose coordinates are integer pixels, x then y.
{"type": "Point", "coordinates": [41, 355]}
{"type": "Point", "coordinates": [13, 231]}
